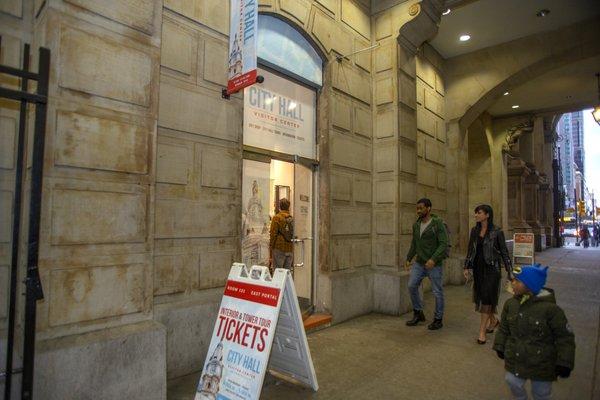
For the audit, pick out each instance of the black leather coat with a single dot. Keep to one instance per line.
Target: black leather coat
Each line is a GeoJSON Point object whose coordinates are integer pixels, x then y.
{"type": "Point", "coordinates": [494, 249]}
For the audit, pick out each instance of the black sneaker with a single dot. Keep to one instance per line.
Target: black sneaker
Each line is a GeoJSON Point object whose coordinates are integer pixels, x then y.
{"type": "Point", "coordinates": [418, 316]}
{"type": "Point", "coordinates": [435, 325]}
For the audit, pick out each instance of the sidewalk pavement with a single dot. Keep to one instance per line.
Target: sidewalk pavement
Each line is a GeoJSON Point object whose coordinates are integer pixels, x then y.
{"type": "Point", "coordinates": [379, 357]}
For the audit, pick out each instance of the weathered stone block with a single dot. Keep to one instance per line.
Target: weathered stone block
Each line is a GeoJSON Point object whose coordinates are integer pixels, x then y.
{"type": "Point", "coordinates": [385, 191]}
{"type": "Point", "coordinates": [189, 326]}
{"type": "Point", "coordinates": [363, 122]}
{"type": "Point", "coordinates": [386, 253]}
{"type": "Point", "coordinates": [137, 14]}
{"type": "Point", "coordinates": [6, 207]}
{"type": "Point", "coordinates": [173, 163]}
{"type": "Point", "coordinates": [8, 134]}
{"type": "Point", "coordinates": [109, 216]}
{"type": "Point", "coordinates": [425, 71]}
{"type": "Point", "coordinates": [352, 295]}
{"type": "Point", "coordinates": [174, 273]}
{"type": "Point", "coordinates": [362, 59]}
{"type": "Point", "coordinates": [384, 56]}
{"type": "Point", "coordinates": [408, 123]}
{"type": "Point", "coordinates": [362, 189]}
{"type": "Point", "coordinates": [383, 26]}
{"type": "Point", "coordinates": [199, 111]}
{"type": "Point", "coordinates": [215, 58]}
{"type": "Point", "coordinates": [340, 186]}
{"type": "Point", "coordinates": [408, 192]}
{"type": "Point", "coordinates": [176, 48]}
{"type": "Point", "coordinates": [220, 168]}
{"type": "Point", "coordinates": [427, 174]}
{"type": "Point", "coordinates": [180, 218]}
{"type": "Point", "coordinates": [441, 180]}
{"type": "Point", "coordinates": [352, 221]}
{"type": "Point", "coordinates": [12, 7]}
{"type": "Point", "coordinates": [211, 13]}
{"type": "Point", "coordinates": [340, 254]}
{"type": "Point", "coordinates": [408, 160]}
{"type": "Point", "coordinates": [331, 5]}
{"type": "Point", "coordinates": [4, 290]}
{"type": "Point", "coordinates": [214, 268]}
{"type": "Point", "coordinates": [420, 92]}
{"type": "Point", "coordinates": [348, 152]}
{"type": "Point", "coordinates": [360, 253]}
{"type": "Point", "coordinates": [385, 223]}
{"type": "Point", "coordinates": [426, 121]}
{"type": "Point", "coordinates": [91, 293]}
{"type": "Point", "coordinates": [356, 18]}
{"type": "Point", "coordinates": [390, 293]}
{"type": "Point", "coordinates": [89, 142]}
{"type": "Point", "coordinates": [386, 158]}
{"type": "Point", "coordinates": [127, 362]}
{"type": "Point", "coordinates": [407, 93]}
{"type": "Point", "coordinates": [331, 35]}
{"type": "Point", "coordinates": [297, 10]}
{"type": "Point", "coordinates": [434, 103]}
{"type": "Point", "coordinates": [407, 219]}
{"type": "Point", "coordinates": [386, 123]}
{"type": "Point", "coordinates": [384, 90]}
{"type": "Point", "coordinates": [342, 111]}
{"type": "Point", "coordinates": [104, 67]}
{"type": "Point", "coordinates": [352, 81]}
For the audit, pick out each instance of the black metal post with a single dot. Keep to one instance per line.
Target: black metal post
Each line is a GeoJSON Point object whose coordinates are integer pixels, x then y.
{"type": "Point", "coordinates": [557, 206]}
{"type": "Point", "coordinates": [16, 229]}
{"type": "Point", "coordinates": [33, 285]}
{"type": "Point", "coordinates": [576, 218]}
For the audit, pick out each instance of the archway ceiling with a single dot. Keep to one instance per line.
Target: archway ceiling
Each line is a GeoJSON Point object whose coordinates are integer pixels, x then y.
{"type": "Point", "coordinates": [492, 22]}
{"type": "Point", "coordinates": [570, 87]}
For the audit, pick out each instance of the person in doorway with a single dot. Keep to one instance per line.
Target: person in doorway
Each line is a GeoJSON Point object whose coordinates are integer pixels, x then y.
{"type": "Point", "coordinates": [534, 339]}
{"type": "Point", "coordinates": [281, 234]}
{"type": "Point", "coordinates": [429, 245]}
{"type": "Point", "coordinates": [596, 234]}
{"type": "Point", "coordinates": [487, 249]}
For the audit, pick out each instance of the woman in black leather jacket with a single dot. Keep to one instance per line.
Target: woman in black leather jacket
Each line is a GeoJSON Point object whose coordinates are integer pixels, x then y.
{"type": "Point", "coordinates": [487, 249]}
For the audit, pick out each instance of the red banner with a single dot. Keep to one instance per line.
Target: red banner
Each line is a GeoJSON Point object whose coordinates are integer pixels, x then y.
{"type": "Point", "coordinates": [254, 293]}
{"type": "Point", "coordinates": [239, 82]}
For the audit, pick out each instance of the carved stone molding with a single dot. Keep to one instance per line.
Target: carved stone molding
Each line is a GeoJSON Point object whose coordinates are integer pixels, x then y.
{"type": "Point", "coordinates": [513, 134]}
{"type": "Point", "coordinates": [423, 26]}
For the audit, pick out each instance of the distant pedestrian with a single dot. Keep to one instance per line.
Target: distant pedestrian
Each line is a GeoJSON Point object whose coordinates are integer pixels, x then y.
{"type": "Point", "coordinates": [534, 339]}
{"type": "Point", "coordinates": [596, 235]}
{"type": "Point", "coordinates": [430, 246]}
{"type": "Point", "coordinates": [585, 236]}
{"type": "Point", "coordinates": [486, 251]}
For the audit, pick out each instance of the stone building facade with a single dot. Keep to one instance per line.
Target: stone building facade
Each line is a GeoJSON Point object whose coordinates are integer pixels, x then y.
{"type": "Point", "coordinates": [142, 197]}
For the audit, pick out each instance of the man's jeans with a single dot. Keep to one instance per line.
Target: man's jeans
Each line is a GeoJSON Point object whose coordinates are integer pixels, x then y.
{"type": "Point", "coordinates": [282, 259]}
{"type": "Point", "coordinates": [540, 390]}
{"type": "Point", "coordinates": [417, 273]}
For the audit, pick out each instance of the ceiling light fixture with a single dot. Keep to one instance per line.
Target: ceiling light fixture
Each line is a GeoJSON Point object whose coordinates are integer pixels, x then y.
{"type": "Point", "coordinates": [448, 11]}
{"type": "Point", "coordinates": [543, 13]}
{"type": "Point", "coordinates": [506, 93]}
{"type": "Point", "coordinates": [596, 112]}
{"type": "Point", "coordinates": [464, 38]}
{"type": "Point", "coordinates": [515, 106]}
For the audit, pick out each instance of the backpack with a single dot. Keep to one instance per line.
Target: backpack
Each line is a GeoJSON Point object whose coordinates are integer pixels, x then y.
{"type": "Point", "coordinates": [447, 252]}
{"type": "Point", "coordinates": [288, 228]}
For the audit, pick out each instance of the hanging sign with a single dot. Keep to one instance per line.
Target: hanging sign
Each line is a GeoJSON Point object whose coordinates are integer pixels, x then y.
{"type": "Point", "coordinates": [524, 245]}
{"type": "Point", "coordinates": [259, 317]}
{"type": "Point", "coordinates": [243, 31]}
{"type": "Point", "coordinates": [280, 115]}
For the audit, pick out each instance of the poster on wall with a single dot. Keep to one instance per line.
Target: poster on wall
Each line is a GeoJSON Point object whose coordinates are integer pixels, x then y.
{"type": "Point", "coordinates": [258, 327]}
{"type": "Point", "coordinates": [524, 245]}
{"type": "Point", "coordinates": [280, 115]}
{"type": "Point", "coordinates": [255, 213]}
{"type": "Point", "coordinates": [243, 30]}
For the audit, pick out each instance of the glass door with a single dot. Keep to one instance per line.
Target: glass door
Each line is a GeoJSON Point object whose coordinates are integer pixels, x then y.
{"type": "Point", "coordinates": [303, 232]}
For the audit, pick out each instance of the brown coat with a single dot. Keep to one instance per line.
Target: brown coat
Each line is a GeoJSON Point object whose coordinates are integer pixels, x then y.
{"type": "Point", "coordinates": [277, 241]}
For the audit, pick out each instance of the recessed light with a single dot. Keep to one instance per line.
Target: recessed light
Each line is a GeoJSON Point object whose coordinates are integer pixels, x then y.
{"type": "Point", "coordinates": [515, 106]}
{"type": "Point", "coordinates": [464, 38]}
{"type": "Point", "coordinates": [543, 13]}
{"type": "Point", "coordinates": [447, 12]}
{"type": "Point", "coordinates": [506, 93]}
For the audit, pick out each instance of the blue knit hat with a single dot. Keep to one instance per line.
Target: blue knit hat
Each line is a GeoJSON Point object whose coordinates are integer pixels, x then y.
{"type": "Point", "coordinates": [532, 276]}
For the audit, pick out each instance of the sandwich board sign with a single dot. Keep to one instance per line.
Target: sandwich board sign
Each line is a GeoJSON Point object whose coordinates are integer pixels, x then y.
{"type": "Point", "coordinates": [258, 328]}
{"type": "Point", "coordinates": [524, 247]}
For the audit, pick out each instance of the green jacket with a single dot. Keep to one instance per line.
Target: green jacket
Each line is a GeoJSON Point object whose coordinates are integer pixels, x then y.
{"type": "Point", "coordinates": [535, 337]}
{"type": "Point", "coordinates": [432, 244]}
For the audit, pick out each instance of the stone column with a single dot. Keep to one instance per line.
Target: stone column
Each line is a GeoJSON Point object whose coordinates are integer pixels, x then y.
{"type": "Point", "coordinates": [517, 173]}
{"type": "Point", "coordinates": [545, 211]}
{"type": "Point", "coordinates": [532, 206]}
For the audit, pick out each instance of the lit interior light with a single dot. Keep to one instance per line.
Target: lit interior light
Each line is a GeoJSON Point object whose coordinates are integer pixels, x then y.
{"type": "Point", "coordinates": [447, 12]}
{"type": "Point", "coordinates": [269, 101]}
{"type": "Point", "coordinates": [292, 106]}
{"type": "Point", "coordinates": [506, 93]}
{"type": "Point", "coordinates": [515, 106]}
{"type": "Point", "coordinates": [464, 38]}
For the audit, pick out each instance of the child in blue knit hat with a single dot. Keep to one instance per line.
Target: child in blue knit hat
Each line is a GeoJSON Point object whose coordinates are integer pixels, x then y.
{"type": "Point", "coordinates": [534, 339]}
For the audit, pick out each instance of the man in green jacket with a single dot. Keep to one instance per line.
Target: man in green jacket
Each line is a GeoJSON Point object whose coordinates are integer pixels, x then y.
{"type": "Point", "coordinates": [534, 339]}
{"type": "Point", "coordinates": [429, 245]}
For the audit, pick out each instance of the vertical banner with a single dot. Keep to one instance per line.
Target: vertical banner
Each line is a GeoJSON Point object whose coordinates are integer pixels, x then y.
{"type": "Point", "coordinates": [243, 31]}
